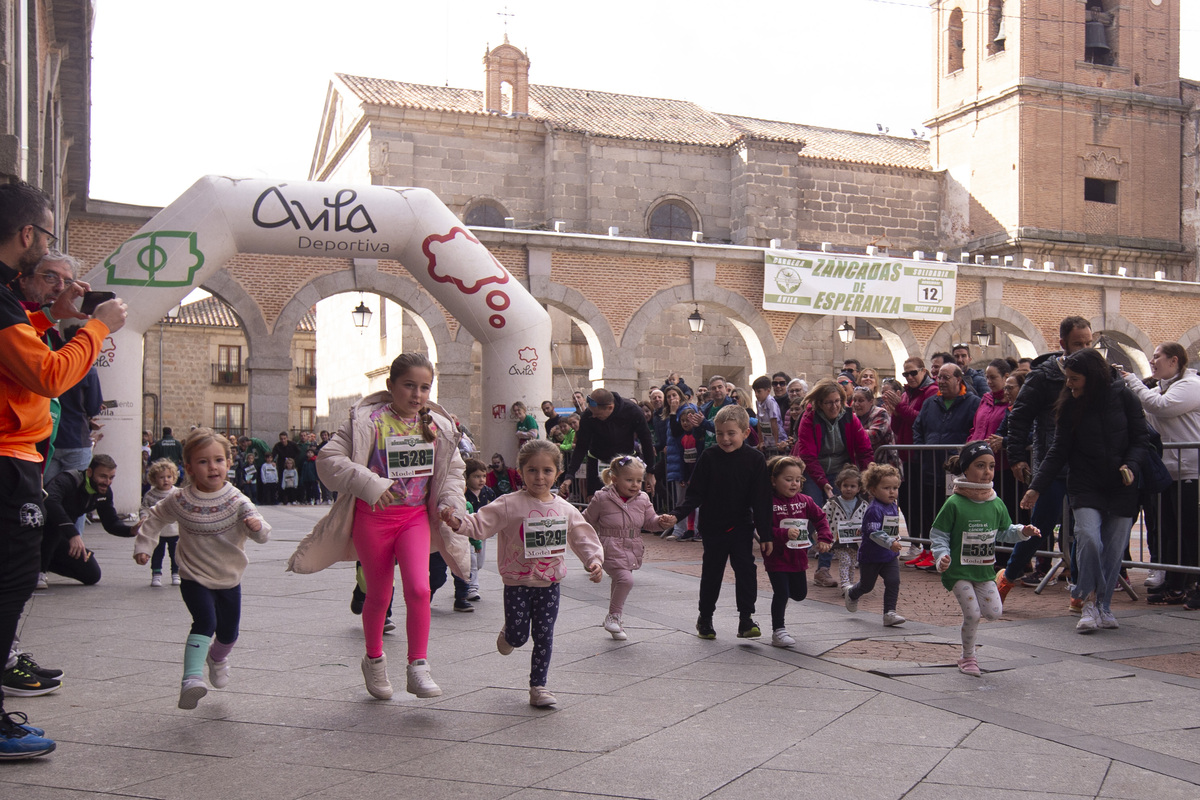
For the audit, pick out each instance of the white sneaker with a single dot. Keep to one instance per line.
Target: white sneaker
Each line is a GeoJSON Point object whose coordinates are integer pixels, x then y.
{"type": "Point", "coordinates": [473, 595]}
{"type": "Point", "coordinates": [612, 624]}
{"type": "Point", "coordinates": [891, 619]}
{"type": "Point", "coordinates": [1156, 579]}
{"type": "Point", "coordinates": [375, 675]}
{"type": "Point", "coordinates": [420, 682]}
{"type": "Point", "coordinates": [781, 638]}
{"type": "Point", "coordinates": [1107, 620]}
{"type": "Point", "coordinates": [913, 551]}
{"type": "Point", "coordinates": [218, 672]}
{"type": "Point", "coordinates": [190, 692]}
{"type": "Point", "coordinates": [851, 604]}
{"type": "Point", "coordinates": [540, 697]}
{"type": "Point", "coordinates": [1089, 618]}
{"type": "Point", "coordinates": [388, 625]}
{"type": "Point", "coordinates": [174, 578]}
{"type": "Point", "coordinates": [42, 583]}
{"type": "Point", "coordinates": [502, 644]}
{"type": "Point", "coordinates": [156, 579]}
{"type": "Point", "coordinates": [845, 588]}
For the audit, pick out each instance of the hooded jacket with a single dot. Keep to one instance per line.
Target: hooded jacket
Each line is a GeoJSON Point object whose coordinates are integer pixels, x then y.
{"type": "Point", "coordinates": [342, 466]}
{"type": "Point", "coordinates": [808, 444]}
{"type": "Point", "coordinates": [674, 447]}
{"type": "Point", "coordinates": [619, 524]}
{"type": "Point", "coordinates": [988, 417]}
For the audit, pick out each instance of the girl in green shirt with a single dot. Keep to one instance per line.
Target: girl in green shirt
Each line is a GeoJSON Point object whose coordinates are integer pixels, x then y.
{"type": "Point", "coordinates": [964, 537]}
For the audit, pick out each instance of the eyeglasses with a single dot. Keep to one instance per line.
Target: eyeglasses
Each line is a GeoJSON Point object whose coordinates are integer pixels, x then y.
{"type": "Point", "coordinates": [52, 279]}
{"type": "Point", "coordinates": [960, 346]}
{"type": "Point", "coordinates": [911, 373]}
{"type": "Point", "coordinates": [50, 237]}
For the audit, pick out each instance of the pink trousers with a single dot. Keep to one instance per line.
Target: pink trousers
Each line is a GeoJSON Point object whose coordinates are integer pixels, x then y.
{"type": "Point", "coordinates": [396, 535]}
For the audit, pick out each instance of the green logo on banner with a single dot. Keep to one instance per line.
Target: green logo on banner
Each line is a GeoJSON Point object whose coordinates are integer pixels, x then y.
{"type": "Point", "coordinates": [157, 258]}
{"type": "Point", "coordinates": [788, 280]}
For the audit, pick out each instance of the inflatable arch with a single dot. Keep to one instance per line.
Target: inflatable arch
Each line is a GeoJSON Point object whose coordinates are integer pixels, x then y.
{"type": "Point", "coordinates": [218, 217]}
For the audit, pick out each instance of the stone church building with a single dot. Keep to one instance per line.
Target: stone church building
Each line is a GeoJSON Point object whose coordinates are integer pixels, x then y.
{"type": "Point", "coordinates": [1060, 171]}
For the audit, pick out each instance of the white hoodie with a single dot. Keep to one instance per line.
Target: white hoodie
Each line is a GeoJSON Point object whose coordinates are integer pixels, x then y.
{"type": "Point", "coordinates": [1175, 414]}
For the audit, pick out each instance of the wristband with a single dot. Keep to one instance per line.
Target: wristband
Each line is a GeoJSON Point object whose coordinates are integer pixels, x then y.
{"type": "Point", "coordinates": [49, 316]}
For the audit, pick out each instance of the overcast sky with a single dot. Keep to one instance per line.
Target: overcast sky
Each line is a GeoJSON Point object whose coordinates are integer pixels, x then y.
{"type": "Point", "coordinates": [236, 88]}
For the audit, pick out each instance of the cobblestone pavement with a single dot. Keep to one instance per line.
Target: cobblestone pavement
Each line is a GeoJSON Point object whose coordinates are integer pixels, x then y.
{"type": "Point", "coordinates": [853, 710]}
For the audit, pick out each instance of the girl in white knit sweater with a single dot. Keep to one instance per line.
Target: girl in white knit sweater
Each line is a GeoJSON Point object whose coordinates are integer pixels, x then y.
{"type": "Point", "coordinates": [214, 519]}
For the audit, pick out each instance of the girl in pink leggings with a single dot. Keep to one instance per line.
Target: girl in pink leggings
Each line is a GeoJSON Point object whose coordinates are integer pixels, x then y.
{"type": "Point", "coordinates": [395, 464]}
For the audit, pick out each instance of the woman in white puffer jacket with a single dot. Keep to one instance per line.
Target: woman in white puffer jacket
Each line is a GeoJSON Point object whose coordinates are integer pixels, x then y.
{"type": "Point", "coordinates": [1173, 409]}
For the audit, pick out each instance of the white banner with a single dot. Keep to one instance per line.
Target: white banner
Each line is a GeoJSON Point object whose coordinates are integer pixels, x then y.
{"type": "Point", "coordinates": [858, 286]}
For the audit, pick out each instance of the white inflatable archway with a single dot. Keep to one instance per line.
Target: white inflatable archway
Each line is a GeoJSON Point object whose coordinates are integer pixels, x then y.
{"type": "Point", "coordinates": [219, 217]}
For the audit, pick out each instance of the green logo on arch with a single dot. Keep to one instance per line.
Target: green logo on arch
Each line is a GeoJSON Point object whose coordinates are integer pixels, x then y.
{"type": "Point", "coordinates": [157, 258]}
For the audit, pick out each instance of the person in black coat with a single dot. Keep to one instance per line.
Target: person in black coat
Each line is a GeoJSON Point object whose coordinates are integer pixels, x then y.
{"type": "Point", "coordinates": [1101, 436]}
{"type": "Point", "coordinates": [606, 430]}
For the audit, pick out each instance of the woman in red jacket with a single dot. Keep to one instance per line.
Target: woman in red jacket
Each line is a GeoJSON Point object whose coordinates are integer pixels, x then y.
{"type": "Point", "coordinates": [828, 438]}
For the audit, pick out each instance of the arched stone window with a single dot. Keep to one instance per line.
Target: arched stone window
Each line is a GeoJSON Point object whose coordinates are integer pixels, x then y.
{"type": "Point", "coordinates": [672, 219]}
{"type": "Point", "coordinates": [485, 214]}
{"type": "Point", "coordinates": [954, 42]}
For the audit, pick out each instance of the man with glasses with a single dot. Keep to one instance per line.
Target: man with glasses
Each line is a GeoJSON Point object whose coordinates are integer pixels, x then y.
{"type": "Point", "coordinates": [30, 374]}
{"type": "Point", "coordinates": [72, 448]}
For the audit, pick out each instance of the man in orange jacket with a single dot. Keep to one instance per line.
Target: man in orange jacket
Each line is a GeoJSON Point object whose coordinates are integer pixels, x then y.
{"type": "Point", "coordinates": [30, 374]}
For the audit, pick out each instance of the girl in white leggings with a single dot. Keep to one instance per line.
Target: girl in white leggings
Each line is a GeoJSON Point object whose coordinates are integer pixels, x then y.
{"type": "Point", "coordinates": [964, 536]}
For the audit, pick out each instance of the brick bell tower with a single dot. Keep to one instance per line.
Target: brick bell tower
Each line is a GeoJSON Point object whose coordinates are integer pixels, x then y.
{"type": "Point", "coordinates": [503, 65]}
{"type": "Point", "coordinates": [1058, 125]}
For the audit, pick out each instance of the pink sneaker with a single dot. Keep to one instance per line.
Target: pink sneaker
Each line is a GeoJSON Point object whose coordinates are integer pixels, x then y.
{"type": "Point", "coordinates": [969, 666]}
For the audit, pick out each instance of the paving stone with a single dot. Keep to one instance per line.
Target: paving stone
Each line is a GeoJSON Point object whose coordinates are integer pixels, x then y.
{"type": "Point", "coordinates": [502, 765]}
{"type": "Point", "coordinates": [632, 775]}
{"type": "Point", "coordinates": [762, 783]}
{"type": "Point", "coordinates": [1081, 774]}
{"type": "Point", "coordinates": [1127, 782]}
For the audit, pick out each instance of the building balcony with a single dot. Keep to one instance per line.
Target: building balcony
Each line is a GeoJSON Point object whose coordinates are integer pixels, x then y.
{"type": "Point", "coordinates": [228, 375]}
{"type": "Point", "coordinates": [306, 378]}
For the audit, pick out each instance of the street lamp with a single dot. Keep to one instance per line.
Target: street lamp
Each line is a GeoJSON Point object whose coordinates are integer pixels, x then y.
{"type": "Point", "coordinates": [361, 315]}
{"type": "Point", "coordinates": [695, 321]}
{"type": "Point", "coordinates": [1102, 346]}
{"type": "Point", "coordinates": [846, 333]}
{"type": "Point", "coordinates": [983, 336]}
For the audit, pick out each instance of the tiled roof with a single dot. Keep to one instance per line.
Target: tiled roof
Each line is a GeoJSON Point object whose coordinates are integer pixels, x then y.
{"type": "Point", "coordinates": [212, 313]}
{"type": "Point", "coordinates": [839, 145]}
{"type": "Point", "coordinates": [626, 116]}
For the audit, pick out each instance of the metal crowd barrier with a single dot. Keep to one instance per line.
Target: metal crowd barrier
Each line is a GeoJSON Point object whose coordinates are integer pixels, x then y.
{"type": "Point", "coordinates": [920, 501]}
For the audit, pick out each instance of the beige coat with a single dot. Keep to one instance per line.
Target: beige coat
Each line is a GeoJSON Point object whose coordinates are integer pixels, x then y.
{"type": "Point", "coordinates": [342, 467]}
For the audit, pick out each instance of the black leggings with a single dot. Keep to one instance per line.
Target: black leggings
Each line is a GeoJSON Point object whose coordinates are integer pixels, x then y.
{"type": "Point", "coordinates": [787, 586]}
{"type": "Point", "coordinates": [214, 611]}
{"type": "Point", "coordinates": [868, 571]}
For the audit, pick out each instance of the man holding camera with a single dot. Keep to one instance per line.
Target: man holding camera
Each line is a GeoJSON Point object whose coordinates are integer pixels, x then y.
{"type": "Point", "coordinates": [30, 374]}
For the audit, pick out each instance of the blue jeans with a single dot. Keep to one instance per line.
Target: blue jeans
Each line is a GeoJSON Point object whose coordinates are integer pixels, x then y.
{"type": "Point", "coordinates": [1100, 541]}
{"type": "Point", "coordinates": [1047, 512]}
{"type": "Point", "coordinates": [817, 494]}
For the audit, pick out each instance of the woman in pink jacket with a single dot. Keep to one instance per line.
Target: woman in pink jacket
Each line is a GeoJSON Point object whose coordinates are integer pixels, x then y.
{"type": "Point", "coordinates": [828, 438]}
{"type": "Point", "coordinates": [620, 512]}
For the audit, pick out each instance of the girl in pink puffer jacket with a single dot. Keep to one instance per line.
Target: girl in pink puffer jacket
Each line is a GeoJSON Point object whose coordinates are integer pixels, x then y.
{"type": "Point", "coordinates": [620, 512]}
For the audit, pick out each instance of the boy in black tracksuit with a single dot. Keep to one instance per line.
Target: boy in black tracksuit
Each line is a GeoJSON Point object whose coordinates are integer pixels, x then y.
{"type": "Point", "coordinates": [731, 489]}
